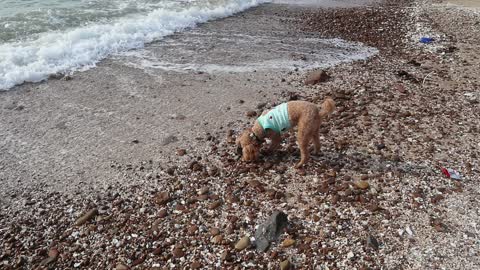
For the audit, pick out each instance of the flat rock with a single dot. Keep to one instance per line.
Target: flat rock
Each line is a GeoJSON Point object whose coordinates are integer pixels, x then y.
{"type": "Point", "coordinates": [270, 230]}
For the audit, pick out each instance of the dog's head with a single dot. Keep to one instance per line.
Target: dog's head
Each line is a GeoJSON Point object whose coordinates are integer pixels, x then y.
{"type": "Point", "coordinates": [247, 146]}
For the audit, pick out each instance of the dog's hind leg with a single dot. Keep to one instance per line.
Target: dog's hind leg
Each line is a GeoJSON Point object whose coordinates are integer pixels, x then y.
{"type": "Point", "coordinates": [316, 143]}
{"type": "Point", "coordinates": [303, 142]}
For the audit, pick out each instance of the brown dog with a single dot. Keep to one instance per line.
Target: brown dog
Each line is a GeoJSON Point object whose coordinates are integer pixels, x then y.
{"type": "Point", "coordinates": [305, 115]}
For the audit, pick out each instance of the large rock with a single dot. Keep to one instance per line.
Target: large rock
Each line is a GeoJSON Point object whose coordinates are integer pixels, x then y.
{"type": "Point", "coordinates": [270, 230]}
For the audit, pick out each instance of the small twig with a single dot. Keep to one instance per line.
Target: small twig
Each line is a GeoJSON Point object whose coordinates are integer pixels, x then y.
{"type": "Point", "coordinates": [424, 79]}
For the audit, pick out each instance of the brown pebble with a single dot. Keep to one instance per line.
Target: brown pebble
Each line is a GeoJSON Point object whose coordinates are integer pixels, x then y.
{"type": "Point", "coordinates": [251, 113]}
{"type": "Point", "coordinates": [192, 230]}
{"type": "Point", "coordinates": [243, 243]}
{"type": "Point", "coordinates": [214, 231]}
{"type": "Point", "coordinates": [181, 152]}
{"type": "Point", "coordinates": [226, 256]}
{"type": "Point", "coordinates": [178, 252]}
{"type": "Point", "coordinates": [215, 205]}
{"type": "Point", "coordinates": [157, 251]}
{"type": "Point", "coordinates": [86, 217]}
{"type": "Point", "coordinates": [288, 242]}
{"type": "Point", "coordinates": [217, 239]}
{"type": "Point", "coordinates": [163, 213]}
{"type": "Point", "coordinates": [285, 265]}
{"type": "Point", "coordinates": [195, 265]}
{"type": "Point", "coordinates": [162, 198]}
{"type": "Point", "coordinates": [121, 266]}
{"type": "Point", "coordinates": [361, 184]}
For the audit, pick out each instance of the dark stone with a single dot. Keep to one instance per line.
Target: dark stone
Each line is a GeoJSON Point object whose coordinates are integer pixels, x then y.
{"type": "Point", "coordinates": [270, 230]}
{"type": "Point", "coordinates": [372, 242]}
{"type": "Point", "coordinates": [381, 146]}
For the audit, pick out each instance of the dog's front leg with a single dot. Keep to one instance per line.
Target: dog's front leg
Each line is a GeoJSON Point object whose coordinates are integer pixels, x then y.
{"type": "Point", "coordinates": [276, 140]}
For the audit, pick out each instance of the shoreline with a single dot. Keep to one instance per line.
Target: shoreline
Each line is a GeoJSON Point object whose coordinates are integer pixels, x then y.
{"type": "Point", "coordinates": [139, 138]}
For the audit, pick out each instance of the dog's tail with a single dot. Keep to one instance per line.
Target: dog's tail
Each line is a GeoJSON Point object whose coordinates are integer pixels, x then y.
{"type": "Point", "coordinates": [328, 106]}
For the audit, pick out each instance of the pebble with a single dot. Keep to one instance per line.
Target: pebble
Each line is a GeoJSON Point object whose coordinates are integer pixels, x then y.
{"type": "Point", "coordinates": [181, 152]}
{"type": "Point", "coordinates": [217, 239]}
{"type": "Point", "coordinates": [163, 213]}
{"type": "Point", "coordinates": [178, 252]}
{"type": "Point", "coordinates": [195, 265]}
{"type": "Point", "coordinates": [242, 243]}
{"type": "Point", "coordinates": [372, 242]}
{"type": "Point", "coordinates": [86, 217]}
{"type": "Point", "coordinates": [361, 184]}
{"type": "Point", "coordinates": [203, 191]}
{"type": "Point", "coordinates": [409, 231]}
{"type": "Point", "coordinates": [214, 231]}
{"type": "Point", "coordinates": [192, 230]}
{"type": "Point", "coordinates": [285, 265]}
{"type": "Point", "coordinates": [162, 198]}
{"type": "Point", "coordinates": [121, 266]}
{"type": "Point", "coordinates": [226, 256]}
{"type": "Point", "coordinates": [350, 255]}
{"type": "Point", "coordinates": [215, 205]}
{"type": "Point", "coordinates": [288, 242]}
{"type": "Point", "coordinates": [251, 114]}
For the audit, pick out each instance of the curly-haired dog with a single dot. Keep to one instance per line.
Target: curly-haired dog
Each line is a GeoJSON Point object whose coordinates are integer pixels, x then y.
{"type": "Point", "coordinates": [303, 114]}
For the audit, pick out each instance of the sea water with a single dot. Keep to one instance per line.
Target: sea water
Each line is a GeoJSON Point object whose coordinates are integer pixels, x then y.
{"type": "Point", "coordinates": [43, 37]}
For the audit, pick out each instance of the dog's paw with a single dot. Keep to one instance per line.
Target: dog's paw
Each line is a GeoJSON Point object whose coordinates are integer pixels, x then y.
{"type": "Point", "coordinates": [299, 165]}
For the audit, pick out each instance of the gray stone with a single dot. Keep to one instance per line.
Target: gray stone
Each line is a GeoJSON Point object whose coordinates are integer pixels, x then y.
{"type": "Point", "coordinates": [372, 242]}
{"type": "Point", "coordinates": [270, 230]}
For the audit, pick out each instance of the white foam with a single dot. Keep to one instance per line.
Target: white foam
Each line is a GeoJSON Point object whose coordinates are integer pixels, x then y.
{"type": "Point", "coordinates": [82, 48]}
{"type": "Point", "coordinates": [237, 59]}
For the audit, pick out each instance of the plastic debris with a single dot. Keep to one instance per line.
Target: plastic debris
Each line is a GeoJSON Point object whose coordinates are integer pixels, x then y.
{"type": "Point", "coordinates": [426, 40]}
{"type": "Point", "coordinates": [451, 174]}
